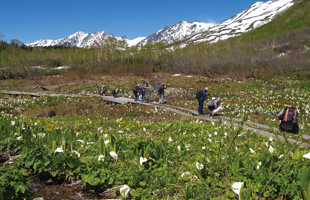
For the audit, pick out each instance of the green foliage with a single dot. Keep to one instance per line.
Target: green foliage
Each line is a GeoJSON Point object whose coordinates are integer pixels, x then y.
{"type": "Point", "coordinates": [14, 182]}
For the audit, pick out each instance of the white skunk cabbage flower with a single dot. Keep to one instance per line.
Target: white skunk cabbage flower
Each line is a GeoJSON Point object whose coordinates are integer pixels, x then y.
{"type": "Point", "coordinates": [199, 166]}
{"type": "Point", "coordinates": [81, 141]}
{"type": "Point", "coordinates": [252, 151]}
{"type": "Point", "coordinates": [77, 153]}
{"type": "Point", "coordinates": [271, 149]}
{"type": "Point", "coordinates": [59, 150]}
{"type": "Point", "coordinates": [236, 187]}
{"type": "Point", "coordinates": [113, 155]}
{"type": "Point", "coordinates": [106, 142]}
{"type": "Point", "coordinates": [124, 190]}
{"type": "Point", "coordinates": [142, 160]}
{"type": "Point", "coordinates": [170, 140]}
{"type": "Point", "coordinates": [101, 158]}
{"type": "Point", "coordinates": [179, 147]}
{"type": "Point", "coordinates": [307, 155]}
{"type": "Point", "coordinates": [186, 174]}
{"type": "Point", "coordinates": [259, 164]}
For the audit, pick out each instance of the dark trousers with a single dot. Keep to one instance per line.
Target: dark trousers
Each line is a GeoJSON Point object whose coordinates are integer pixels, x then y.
{"type": "Point", "coordinates": [143, 96]}
{"type": "Point", "coordinates": [200, 107]}
{"type": "Point", "coordinates": [136, 95]}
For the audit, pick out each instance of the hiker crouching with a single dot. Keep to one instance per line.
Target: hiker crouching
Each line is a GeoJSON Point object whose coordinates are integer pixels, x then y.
{"type": "Point", "coordinates": [214, 106]}
{"type": "Point", "coordinates": [115, 92]}
{"type": "Point", "coordinates": [102, 91]}
{"type": "Point", "coordinates": [288, 120]}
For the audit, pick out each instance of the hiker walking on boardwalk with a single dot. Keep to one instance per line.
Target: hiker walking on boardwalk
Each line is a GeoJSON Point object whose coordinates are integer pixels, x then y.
{"type": "Point", "coordinates": [288, 120]}
{"type": "Point", "coordinates": [214, 106]}
{"type": "Point", "coordinates": [201, 96]}
{"type": "Point", "coordinates": [135, 91]}
{"type": "Point", "coordinates": [102, 91]}
{"type": "Point", "coordinates": [115, 92]}
{"type": "Point", "coordinates": [161, 91]}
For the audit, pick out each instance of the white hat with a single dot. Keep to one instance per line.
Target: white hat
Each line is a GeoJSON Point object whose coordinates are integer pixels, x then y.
{"type": "Point", "coordinates": [213, 98]}
{"type": "Point", "coordinates": [206, 89]}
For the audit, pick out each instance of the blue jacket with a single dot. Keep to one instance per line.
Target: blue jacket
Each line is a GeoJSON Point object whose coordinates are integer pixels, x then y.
{"type": "Point", "coordinates": [203, 96]}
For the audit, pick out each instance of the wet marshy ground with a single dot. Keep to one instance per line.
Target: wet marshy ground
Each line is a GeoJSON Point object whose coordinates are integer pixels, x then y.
{"type": "Point", "coordinates": [51, 191]}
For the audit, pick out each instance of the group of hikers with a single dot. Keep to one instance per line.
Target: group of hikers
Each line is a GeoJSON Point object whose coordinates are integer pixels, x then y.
{"type": "Point", "coordinates": [139, 91]}
{"type": "Point", "coordinates": [288, 116]}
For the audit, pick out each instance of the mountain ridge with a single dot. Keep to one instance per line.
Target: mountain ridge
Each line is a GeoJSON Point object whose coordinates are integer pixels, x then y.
{"type": "Point", "coordinates": [255, 16]}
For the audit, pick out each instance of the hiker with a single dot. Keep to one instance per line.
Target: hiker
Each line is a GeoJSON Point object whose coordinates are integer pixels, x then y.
{"type": "Point", "coordinates": [102, 90]}
{"type": "Point", "coordinates": [115, 92]}
{"type": "Point", "coordinates": [288, 120]}
{"type": "Point", "coordinates": [214, 106]}
{"type": "Point", "coordinates": [143, 92]}
{"type": "Point", "coordinates": [140, 90]}
{"type": "Point", "coordinates": [147, 92]}
{"type": "Point", "coordinates": [201, 96]}
{"type": "Point", "coordinates": [135, 90]}
{"type": "Point", "coordinates": [161, 91]}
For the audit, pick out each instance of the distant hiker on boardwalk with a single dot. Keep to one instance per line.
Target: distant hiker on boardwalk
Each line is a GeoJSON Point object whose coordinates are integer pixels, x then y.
{"type": "Point", "coordinates": [102, 91]}
{"type": "Point", "coordinates": [288, 120]}
{"type": "Point", "coordinates": [115, 92]}
{"type": "Point", "coordinates": [135, 91]}
{"type": "Point", "coordinates": [161, 91]}
{"type": "Point", "coordinates": [143, 89]}
{"type": "Point", "coordinates": [214, 106]}
{"type": "Point", "coordinates": [147, 91]}
{"type": "Point", "coordinates": [201, 96]}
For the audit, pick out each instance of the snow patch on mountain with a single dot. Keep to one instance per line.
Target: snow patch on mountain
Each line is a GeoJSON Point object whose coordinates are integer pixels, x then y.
{"type": "Point", "coordinates": [255, 16]}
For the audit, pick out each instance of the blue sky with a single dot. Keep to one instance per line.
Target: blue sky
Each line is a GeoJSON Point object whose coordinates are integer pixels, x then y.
{"type": "Point", "coordinates": [30, 20]}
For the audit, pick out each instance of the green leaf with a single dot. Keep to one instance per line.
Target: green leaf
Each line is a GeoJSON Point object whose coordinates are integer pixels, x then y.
{"type": "Point", "coordinates": [142, 183]}
{"type": "Point", "coordinates": [21, 188]}
{"type": "Point", "coordinates": [55, 173]}
{"type": "Point", "coordinates": [134, 193]}
{"type": "Point", "coordinates": [87, 158]}
{"type": "Point", "coordinates": [94, 181]}
{"type": "Point", "coordinates": [111, 180]}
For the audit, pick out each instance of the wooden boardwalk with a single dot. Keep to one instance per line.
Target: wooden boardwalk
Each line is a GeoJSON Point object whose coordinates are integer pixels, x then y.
{"type": "Point", "coordinates": [180, 111]}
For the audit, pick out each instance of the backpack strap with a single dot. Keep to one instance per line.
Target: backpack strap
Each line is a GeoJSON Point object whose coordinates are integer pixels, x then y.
{"type": "Point", "coordinates": [295, 114]}
{"type": "Point", "coordinates": [286, 114]}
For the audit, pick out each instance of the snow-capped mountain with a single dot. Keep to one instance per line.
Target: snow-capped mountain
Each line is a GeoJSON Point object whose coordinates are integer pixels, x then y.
{"type": "Point", "coordinates": [78, 39]}
{"type": "Point", "coordinates": [81, 39]}
{"type": "Point", "coordinates": [257, 15]}
{"type": "Point", "coordinates": [177, 32]}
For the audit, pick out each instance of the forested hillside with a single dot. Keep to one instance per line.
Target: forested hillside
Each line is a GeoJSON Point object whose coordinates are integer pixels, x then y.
{"type": "Point", "coordinates": [280, 48]}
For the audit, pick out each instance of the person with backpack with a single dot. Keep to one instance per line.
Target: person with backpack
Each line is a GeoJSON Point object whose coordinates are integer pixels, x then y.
{"type": "Point", "coordinates": [201, 96]}
{"type": "Point", "coordinates": [288, 120]}
{"type": "Point", "coordinates": [135, 90]}
{"type": "Point", "coordinates": [161, 91]}
{"type": "Point", "coordinates": [102, 91]}
{"type": "Point", "coordinates": [115, 92]}
{"type": "Point", "coordinates": [214, 106]}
